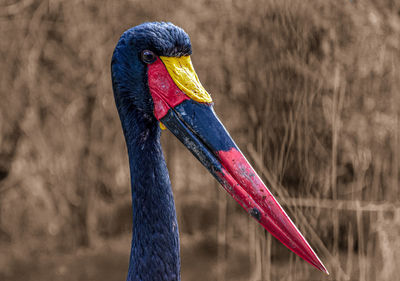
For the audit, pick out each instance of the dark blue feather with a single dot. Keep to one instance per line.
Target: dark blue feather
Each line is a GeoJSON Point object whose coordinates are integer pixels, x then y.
{"type": "Point", "coordinates": [155, 239]}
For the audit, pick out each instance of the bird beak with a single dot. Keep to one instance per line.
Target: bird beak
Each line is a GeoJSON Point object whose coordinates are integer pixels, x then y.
{"type": "Point", "coordinates": [184, 107]}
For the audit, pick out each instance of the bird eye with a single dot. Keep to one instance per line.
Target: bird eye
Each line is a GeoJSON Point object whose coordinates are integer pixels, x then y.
{"type": "Point", "coordinates": [148, 56]}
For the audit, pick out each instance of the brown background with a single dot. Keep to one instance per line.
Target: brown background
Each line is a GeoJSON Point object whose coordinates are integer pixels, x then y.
{"type": "Point", "coordinates": [309, 90]}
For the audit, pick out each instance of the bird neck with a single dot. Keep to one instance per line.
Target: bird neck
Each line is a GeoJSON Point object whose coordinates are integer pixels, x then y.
{"type": "Point", "coordinates": [155, 239]}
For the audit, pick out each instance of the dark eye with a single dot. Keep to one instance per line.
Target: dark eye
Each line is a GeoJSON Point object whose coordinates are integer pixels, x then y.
{"type": "Point", "coordinates": [148, 56]}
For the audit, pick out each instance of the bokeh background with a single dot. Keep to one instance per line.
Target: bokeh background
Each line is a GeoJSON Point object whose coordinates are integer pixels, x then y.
{"type": "Point", "coordinates": [308, 89]}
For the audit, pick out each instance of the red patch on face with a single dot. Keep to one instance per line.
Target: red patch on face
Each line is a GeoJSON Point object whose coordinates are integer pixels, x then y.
{"type": "Point", "coordinates": [163, 90]}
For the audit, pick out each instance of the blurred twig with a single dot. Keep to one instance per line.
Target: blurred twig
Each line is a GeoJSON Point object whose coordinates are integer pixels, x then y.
{"type": "Point", "coordinates": [348, 205]}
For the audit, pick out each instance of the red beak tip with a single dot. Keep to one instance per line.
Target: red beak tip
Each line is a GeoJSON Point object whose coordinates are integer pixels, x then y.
{"type": "Point", "coordinates": [323, 269]}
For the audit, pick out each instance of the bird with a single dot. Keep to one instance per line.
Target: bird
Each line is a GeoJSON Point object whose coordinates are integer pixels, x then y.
{"type": "Point", "coordinates": [156, 87]}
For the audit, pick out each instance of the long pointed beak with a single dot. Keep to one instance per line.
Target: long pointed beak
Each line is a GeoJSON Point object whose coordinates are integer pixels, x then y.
{"type": "Point", "coordinates": [186, 111]}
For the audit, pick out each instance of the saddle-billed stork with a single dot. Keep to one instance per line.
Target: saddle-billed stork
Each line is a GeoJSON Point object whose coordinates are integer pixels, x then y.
{"type": "Point", "coordinates": [155, 85]}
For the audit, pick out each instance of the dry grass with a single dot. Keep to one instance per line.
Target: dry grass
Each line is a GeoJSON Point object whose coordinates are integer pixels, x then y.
{"type": "Point", "coordinates": [309, 89]}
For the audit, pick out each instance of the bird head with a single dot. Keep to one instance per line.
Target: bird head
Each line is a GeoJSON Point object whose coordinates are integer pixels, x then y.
{"type": "Point", "coordinates": [154, 80]}
{"type": "Point", "coordinates": [137, 52]}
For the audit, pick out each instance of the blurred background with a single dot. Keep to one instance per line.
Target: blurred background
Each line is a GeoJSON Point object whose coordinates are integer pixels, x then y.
{"type": "Point", "coordinates": [308, 89]}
